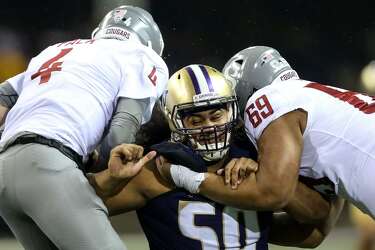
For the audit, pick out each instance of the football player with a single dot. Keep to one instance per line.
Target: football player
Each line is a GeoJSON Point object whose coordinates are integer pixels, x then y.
{"type": "Point", "coordinates": [201, 108]}
{"type": "Point", "coordinates": [299, 128]}
{"type": "Point", "coordinates": [71, 95]}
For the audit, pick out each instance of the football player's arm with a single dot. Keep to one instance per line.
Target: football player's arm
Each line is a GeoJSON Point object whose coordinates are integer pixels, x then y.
{"type": "Point", "coordinates": [128, 198]}
{"type": "Point", "coordinates": [123, 127]}
{"type": "Point", "coordinates": [310, 207]}
{"type": "Point", "coordinates": [286, 230]}
{"type": "Point", "coordinates": [145, 186]}
{"type": "Point", "coordinates": [274, 184]}
{"type": "Point", "coordinates": [8, 98]}
{"type": "Point", "coordinates": [126, 161]}
{"type": "Point", "coordinates": [144, 81]}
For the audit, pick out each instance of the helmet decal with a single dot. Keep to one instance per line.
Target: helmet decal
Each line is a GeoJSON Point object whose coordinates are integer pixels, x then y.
{"type": "Point", "coordinates": [200, 78]}
{"type": "Point", "coordinates": [119, 14]}
{"type": "Point", "coordinates": [131, 23]}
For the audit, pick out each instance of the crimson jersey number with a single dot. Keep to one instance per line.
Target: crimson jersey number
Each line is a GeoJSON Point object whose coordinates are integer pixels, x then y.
{"type": "Point", "coordinates": [346, 96]}
{"type": "Point", "coordinates": [258, 110]}
{"type": "Point", "coordinates": [152, 76]}
{"type": "Point", "coordinates": [49, 66]}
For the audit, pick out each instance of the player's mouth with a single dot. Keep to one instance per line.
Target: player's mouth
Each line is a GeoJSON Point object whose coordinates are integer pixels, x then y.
{"type": "Point", "coordinates": [211, 138]}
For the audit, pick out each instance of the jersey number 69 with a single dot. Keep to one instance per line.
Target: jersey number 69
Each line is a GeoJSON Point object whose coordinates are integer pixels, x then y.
{"type": "Point", "coordinates": [258, 110]}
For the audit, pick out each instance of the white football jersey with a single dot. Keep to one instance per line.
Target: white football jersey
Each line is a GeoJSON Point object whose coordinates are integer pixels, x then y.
{"type": "Point", "coordinates": [339, 139]}
{"type": "Point", "coordinates": [69, 91]}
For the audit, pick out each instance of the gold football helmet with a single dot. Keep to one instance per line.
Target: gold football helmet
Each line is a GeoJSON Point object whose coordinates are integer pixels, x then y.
{"type": "Point", "coordinates": [197, 88]}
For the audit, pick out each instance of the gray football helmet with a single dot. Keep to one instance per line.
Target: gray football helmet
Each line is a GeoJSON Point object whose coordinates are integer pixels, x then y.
{"type": "Point", "coordinates": [128, 23]}
{"type": "Point", "coordinates": [254, 68]}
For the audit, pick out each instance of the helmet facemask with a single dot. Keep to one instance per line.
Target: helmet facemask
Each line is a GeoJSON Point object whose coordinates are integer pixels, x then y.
{"type": "Point", "coordinates": [211, 142]}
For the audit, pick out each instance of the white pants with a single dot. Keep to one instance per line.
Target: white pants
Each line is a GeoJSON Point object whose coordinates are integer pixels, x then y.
{"type": "Point", "coordinates": [49, 204]}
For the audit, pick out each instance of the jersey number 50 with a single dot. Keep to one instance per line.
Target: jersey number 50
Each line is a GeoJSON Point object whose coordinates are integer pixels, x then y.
{"type": "Point", "coordinates": [239, 229]}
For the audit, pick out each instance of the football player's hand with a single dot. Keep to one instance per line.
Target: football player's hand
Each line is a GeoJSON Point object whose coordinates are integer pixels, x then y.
{"type": "Point", "coordinates": [126, 161]}
{"type": "Point", "coordinates": [237, 170]}
{"type": "Point", "coordinates": [164, 168]}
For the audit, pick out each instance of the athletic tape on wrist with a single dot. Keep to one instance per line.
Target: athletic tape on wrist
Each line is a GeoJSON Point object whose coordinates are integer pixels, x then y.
{"type": "Point", "coordinates": [185, 178]}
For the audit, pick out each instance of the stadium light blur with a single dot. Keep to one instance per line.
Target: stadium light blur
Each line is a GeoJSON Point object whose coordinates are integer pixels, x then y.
{"type": "Point", "coordinates": [368, 77]}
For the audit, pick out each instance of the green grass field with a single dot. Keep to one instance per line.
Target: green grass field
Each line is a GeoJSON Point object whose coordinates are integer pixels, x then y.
{"type": "Point", "coordinates": [343, 237]}
{"type": "Point", "coordinates": [339, 239]}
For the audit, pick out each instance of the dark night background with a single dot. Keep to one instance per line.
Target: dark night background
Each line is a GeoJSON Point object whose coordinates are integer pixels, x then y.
{"type": "Point", "coordinates": [327, 41]}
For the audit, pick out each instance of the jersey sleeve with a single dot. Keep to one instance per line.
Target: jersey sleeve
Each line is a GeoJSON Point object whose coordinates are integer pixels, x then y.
{"type": "Point", "coordinates": [145, 78]}
{"type": "Point", "coordinates": [17, 82]}
{"type": "Point", "coordinates": [265, 106]}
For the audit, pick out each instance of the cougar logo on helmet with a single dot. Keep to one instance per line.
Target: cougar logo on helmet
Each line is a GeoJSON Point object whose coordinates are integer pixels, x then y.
{"type": "Point", "coordinates": [119, 14]}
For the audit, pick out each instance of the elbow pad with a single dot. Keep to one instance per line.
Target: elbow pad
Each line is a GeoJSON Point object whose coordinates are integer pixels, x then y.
{"type": "Point", "coordinates": [8, 96]}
